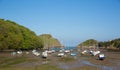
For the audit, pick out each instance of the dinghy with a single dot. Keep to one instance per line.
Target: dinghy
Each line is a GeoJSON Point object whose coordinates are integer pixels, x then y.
{"type": "Point", "coordinates": [101, 56]}
{"type": "Point", "coordinates": [73, 54]}
{"type": "Point", "coordinates": [60, 54]}
{"type": "Point", "coordinates": [44, 54]}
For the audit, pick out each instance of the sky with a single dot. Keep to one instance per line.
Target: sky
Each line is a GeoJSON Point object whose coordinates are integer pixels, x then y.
{"type": "Point", "coordinates": [70, 21]}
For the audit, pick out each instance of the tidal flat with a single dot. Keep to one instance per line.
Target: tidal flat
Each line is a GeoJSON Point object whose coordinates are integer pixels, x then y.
{"type": "Point", "coordinates": [79, 62]}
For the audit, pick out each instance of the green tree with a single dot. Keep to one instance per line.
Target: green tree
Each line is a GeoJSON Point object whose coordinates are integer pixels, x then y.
{"type": "Point", "coordinates": [14, 36]}
{"type": "Point", "coordinates": [48, 41]}
{"type": "Point", "coordinates": [90, 42]}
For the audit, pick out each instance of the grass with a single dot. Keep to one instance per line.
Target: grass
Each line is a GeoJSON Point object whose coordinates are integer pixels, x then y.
{"type": "Point", "coordinates": [87, 67]}
{"type": "Point", "coordinates": [12, 61]}
{"type": "Point", "coordinates": [41, 67]}
{"type": "Point", "coordinates": [47, 67]}
{"type": "Point", "coordinates": [7, 62]}
{"type": "Point", "coordinates": [17, 68]}
{"type": "Point", "coordinates": [66, 59]}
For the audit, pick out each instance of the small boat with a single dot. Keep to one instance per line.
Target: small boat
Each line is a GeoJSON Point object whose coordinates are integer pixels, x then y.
{"type": "Point", "coordinates": [73, 54]}
{"type": "Point", "coordinates": [19, 52]}
{"type": "Point", "coordinates": [94, 53]}
{"type": "Point", "coordinates": [101, 56]}
{"type": "Point", "coordinates": [35, 53]}
{"type": "Point", "coordinates": [60, 54]}
{"type": "Point", "coordinates": [67, 51]}
{"type": "Point", "coordinates": [44, 54]}
{"type": "Point", "coordinates": [85, 51]}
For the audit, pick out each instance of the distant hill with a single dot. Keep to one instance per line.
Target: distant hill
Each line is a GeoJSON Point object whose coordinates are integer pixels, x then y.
{"type": "Point", "coordinates": [114, 44]}
{"type": "Point", "coordinates": [15, 36]}
{"type": "Point", "coordinates": [49, 41]}
{"type": "Point", "coordinates": [91, 43]}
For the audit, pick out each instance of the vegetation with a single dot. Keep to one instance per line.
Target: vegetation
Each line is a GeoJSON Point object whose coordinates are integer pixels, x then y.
{"type": "Point", "coordinates": [41, 67]}
{"type": "Point", "coordinates": [14, 36]}
{"type": "Point", "coordinates": [15, 63]}
{"type": "Point", "coordinates": [111, 44]}
{"type": "Point", "coordinates": [47, 67]}
{"type": "Point", "coordinates": [48, 41]}
{"type": "Point", "coordinates": [12, 61]}
{"type": "Point", "coordinates": [66, 59]}
{"type": "Point", "coordinates": [88, 43]}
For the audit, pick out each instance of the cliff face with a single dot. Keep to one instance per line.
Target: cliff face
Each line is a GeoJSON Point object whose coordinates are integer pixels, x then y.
{"type": "Point", "coordinates": [48, 41]}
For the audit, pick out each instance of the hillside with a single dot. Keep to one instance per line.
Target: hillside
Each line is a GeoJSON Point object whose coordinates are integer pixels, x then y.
{"type": "Point", "coordinates": [115, 43]}
{"type": "Point", "coordinates": [111, 44]}
{"type": "Point", "coordinates": [15, 36]}
{"type": "Point", "coordinates": [49, 41]}
{"type": "Point", "coordinates": [91, 43]}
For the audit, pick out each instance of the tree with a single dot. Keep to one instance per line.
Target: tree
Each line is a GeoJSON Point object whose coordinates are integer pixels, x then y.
{"type": "Point", "coordinates": [48, 41]}
{"type": "Point", "coordinates": [90, 42]}
{"type": "Point", "coordinates": [15, 36]}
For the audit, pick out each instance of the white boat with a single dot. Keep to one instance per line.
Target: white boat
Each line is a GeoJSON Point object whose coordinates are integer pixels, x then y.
{"type": "Point", "coordinates": [94, 53]}
{"type": "Point", "coordinates": [19, 52]}
{"type": "Point", "coordinates": [36, 53]}
{"type": "Point", "coordinates": [73, 54]}
{"type": "Point", "coordinates": [101, 56]}
{"type": "Point", "coordinates": [44, 54]}
{"type": "Point", "coordinates": [67, 51]}
{"type": "Point", "coordinates": [60, 54]}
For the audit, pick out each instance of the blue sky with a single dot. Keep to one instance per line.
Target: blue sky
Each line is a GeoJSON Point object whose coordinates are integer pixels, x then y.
{"type": "Point", "coordinates": [70, 21]}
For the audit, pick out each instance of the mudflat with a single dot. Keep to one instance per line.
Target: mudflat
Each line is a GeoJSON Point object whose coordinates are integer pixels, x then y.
{"type": "Point", "coordinates": [79, 62]}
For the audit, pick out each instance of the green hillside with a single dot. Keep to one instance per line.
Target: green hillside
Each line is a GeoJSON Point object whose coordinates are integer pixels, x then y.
{"type": "Point", "coordinates": [15, 36]}
{"type": "Point", "coordinates": [88, 43]}
{"type": "Point", "coordinates": [48, 41]}
{"type": "Point", "coordinates": [111, 44]}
